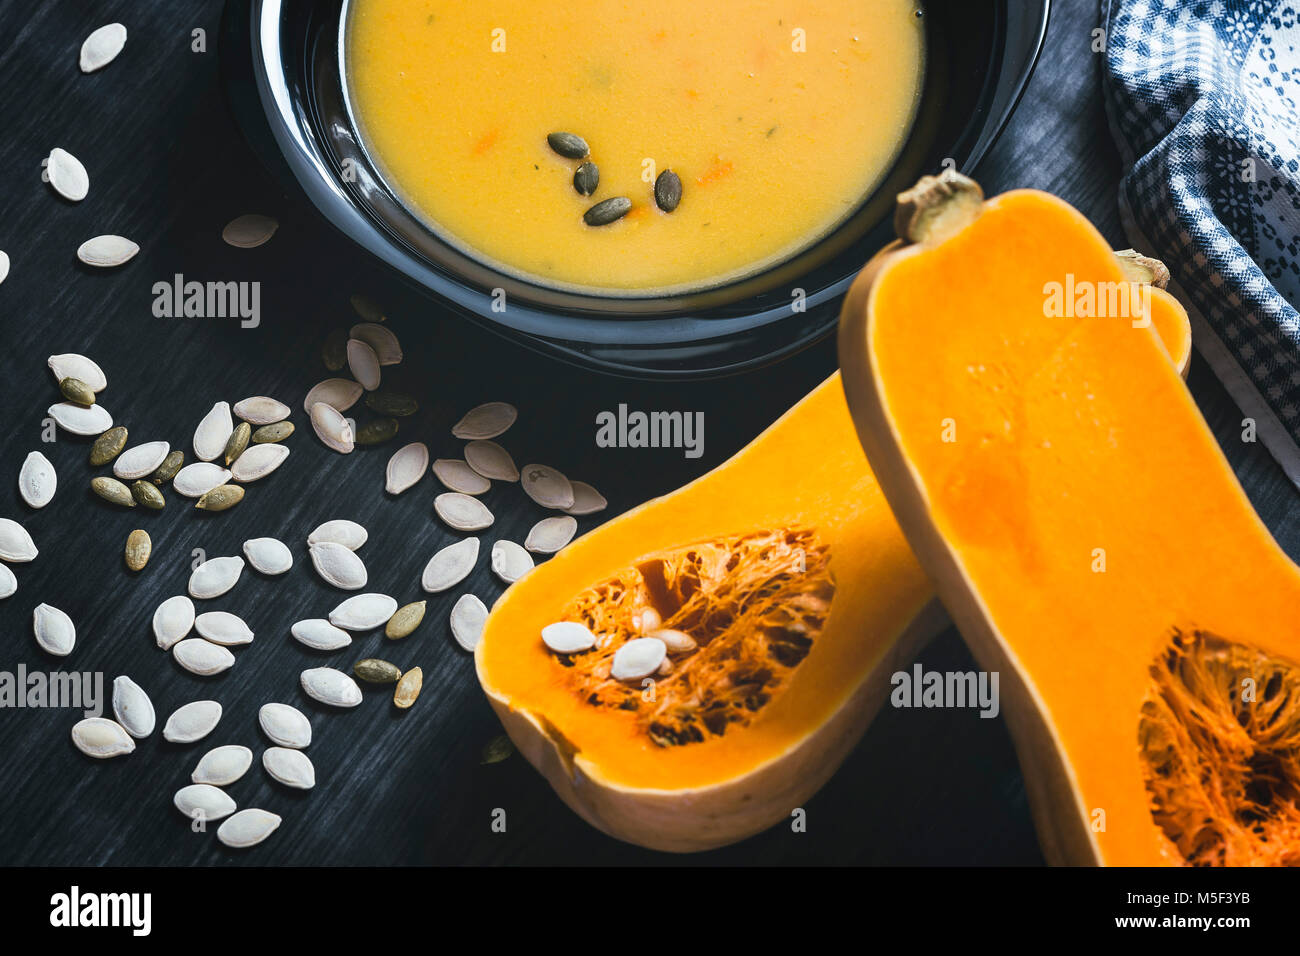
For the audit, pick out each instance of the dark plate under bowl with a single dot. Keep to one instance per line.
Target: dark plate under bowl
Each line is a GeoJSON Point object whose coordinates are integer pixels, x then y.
{"type": "Point", "coordinates": [282, 70]}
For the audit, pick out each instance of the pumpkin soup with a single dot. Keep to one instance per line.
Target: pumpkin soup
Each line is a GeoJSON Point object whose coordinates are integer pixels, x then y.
{"type": "Point", "coordinates": [633, 148]}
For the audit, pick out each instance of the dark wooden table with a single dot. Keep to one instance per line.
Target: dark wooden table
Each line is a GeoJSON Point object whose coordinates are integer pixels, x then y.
{"type": "Point", "coordinates": [169, 169]}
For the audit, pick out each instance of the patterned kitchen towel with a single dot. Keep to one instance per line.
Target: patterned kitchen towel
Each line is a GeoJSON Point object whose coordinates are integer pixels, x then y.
{"type": "Point", "coordinates": [1204, 101]}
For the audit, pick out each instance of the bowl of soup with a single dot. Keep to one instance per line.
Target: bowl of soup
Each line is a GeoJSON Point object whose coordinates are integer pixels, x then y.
{"type": "Point", "coordinates": [653, 189]}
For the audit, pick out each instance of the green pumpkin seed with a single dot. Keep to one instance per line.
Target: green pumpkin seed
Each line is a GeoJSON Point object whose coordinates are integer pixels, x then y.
{"type": "Point", "coordinates": [77, 392]}
{"type": "Point", "coordinates": [607, 211]}
{"type": "Point", "coordinates": [406, 620]}
{"type": "Point", "coordinates": [586, 179]}
{"type": "Point", "coordinates": [110, 489]}
{"type": "Point", "coordinates": [668, 190]}
{"type": "Point", "coordinates": [167, 470]}
{"type": "Point", "coordinates": [272, 433]}
{"type": "Point", "coordinates": [107, 446]}
{"type": "Point", "coordinates": [221, 498]}
{"type": "Point", "coordinates": [146, 493]}
{"type": "Point", "coordinates": [374, 671]}
{"type": "Point", "coordinates": [376, 432]}
{"type": "Point", "coordinates": [497, 749]}
{"type": "Point", "coordinates": [568, 145]}
{"type": "Point", "coordinates": [392, 403]}
{"type": "Point", "coordinates": [237, 442]}
{"type": "Point", "coordinates": [334, 350]}
{"type": "Point", "coordinates": [138, 549]}
{"type": "Point", "coordinates": [408, 688]}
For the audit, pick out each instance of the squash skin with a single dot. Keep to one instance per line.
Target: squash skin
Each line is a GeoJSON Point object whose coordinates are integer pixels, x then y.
{"type": "Point", "coordinates": [663, 813]}
{"type": "Point", "coordinates": [1057, 799]}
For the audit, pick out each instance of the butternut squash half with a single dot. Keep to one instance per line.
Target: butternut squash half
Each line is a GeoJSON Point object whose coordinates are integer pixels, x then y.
{"type": "Point", "coordinates": [1087, 535]}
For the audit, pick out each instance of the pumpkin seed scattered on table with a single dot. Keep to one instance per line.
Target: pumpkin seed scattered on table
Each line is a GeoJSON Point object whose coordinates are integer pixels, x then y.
{"type": "Point", "coordinates": [110, 489]}
{"type": "Point", "coordinates": [261, 410]}
{"type": "Point", "coordinates": [248, 828]}
{"type": "Point", "coordinates": [586, 499]}
{"type": "Point", "coordinates": [203, 801]}
{"type": "Point", "coordinates": [285, 725]}
{"type": "Point", "coordinates": [607, 211]}
{"type": "Point", "coordinates": [102, 47]}
{"type": "Point", "coordinates": [405, 620]}
{"type": "Point", "coordinates": [138, 548]}
{"type": "Point", "coordinates": [75, 365]}
{"type": "Point", "coordinates": [77, 392]}
{"type": "Point", "coordinates": [249, 231]}
{"type": "Point", "coordinates": [377, 432]}
{"type": "Point", "coordinates": [107, 446]}
{"type": "Point", "coordinates": [258, 461]}
{"type": "Point", "coordinates": [236, 443]}
{"type": "Point", "coordinates": [468, 617]}
{"type": "Point", "coordinates": [275, 432]}
{"type": "Point", "coordinates": [338, 566]}
{"type": "Point", "coordinates": [387, 402]}
{"type": "Point", "coordinates": [107, 252]}
{"type": "Point", "coordinates": [320, 635]}
{"type": "Point", "coordinates": [406, 467]}
{"type": "Point", "coordinates": [213, 432]}
{"type": "Point", "coordinates": [202, 657]}
{"type": "Point", "coordinates": [16, 544]}
{"type": "Point", "coordinates": [364, 612]}
{"type": "Point", "coordinates": [8, 582]}
{"type": "Point", "coordinates": [496, 750]}
{"type": "Point", "coordinates": [551, 534]}
{"type": "Point", "coordinates": [146, 494]}
{"type": "Point", "coordinates": [224, 628]}
{"type": "Point", "coordinates": [289, 766]}
{"type": "Point", "coordinates": [268, 555]}
{"type": "Point", "coordinates": [67, 175]}
{"type": "Point", "coordinates": [459, 476]}
{"type": "Point", "coordinates": [510, 562]}
{"type": "Point", "coordinates": [668, 190]}
{"type": "Point", "coordinates": [197, 479]}
{"type": "Point", "coordinates": [334, 350]}
{"type": "Point", "coordinates": [80, 420]}
{"type": "Point", "coordinates": [491, 460]}
{"type": "Point", "coordinates": [54, 630]}
{"type": "Point", "coordinates": [381, 340]}
{"type": "Point", "coordinates": [341, 531]}
{"type": "Point", "coordinates": [101, 738]}
{"type": "Point", "coordinates": [170, 467]}
{"type": "Point", "coordinates": [367, 308]}
{"type": "Point", "coordinates": [37, 480]}
{"type": "Point", "coordinates": [222, 766]}
{"type": "Point", "coordinates": [449, 566]}
{"type": "Point", "coordinates": [193, 721]}
{"type": "Point", "coordinates": [140, 461]}
{"type": "Point", "coordinates": [568, 145]}
{"type": "Point", "coordinates": [334, 431]}
{"type": "Point", "coordinates": [486, 421]}
{"type": "Point", "coordinates": [547, 487]}
{"type": "Point", "coordinates": [215, 576]}
{"type": "Point", "coordinates": [133, 708]}
{"type": "Point", "coordinates": [363, 363]}
{"type": "Point", "coordinates": [462, 512]}
{"type": "Point", "coordinates": [172, 620]}
{"type": "Point", "coordinates": [329, 686]}
{"type": "Point", "coordinates": [339, 393]}
{"type": "Point", "coordinates": [220, 498]}
{"type": "Point", "coordinates": [374, 671]}
{"type": "Point", "coordinates": [4, 265]}
{"type": "Point", "coordinates": [408, 688]}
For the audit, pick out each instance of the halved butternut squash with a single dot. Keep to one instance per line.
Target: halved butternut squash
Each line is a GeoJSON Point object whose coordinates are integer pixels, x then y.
{"type": "Point", "coordinates": [1086, 533]}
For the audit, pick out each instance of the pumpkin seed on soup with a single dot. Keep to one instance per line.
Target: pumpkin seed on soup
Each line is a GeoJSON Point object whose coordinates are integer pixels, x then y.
{"type": "Point", "coordinates": [278, 431]}
{"type": "Point", "coordinates": [586, 179]}
{"type": "Point", "coordinates": [668, 190]}
{"type": "Point", "coordinates": [568, 145]}
{"type": "Point", "coordinates": [607, 211]}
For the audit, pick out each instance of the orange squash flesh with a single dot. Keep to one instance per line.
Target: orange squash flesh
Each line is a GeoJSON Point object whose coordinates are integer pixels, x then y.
{"type": "Point", "coordinates": [1072, 441]}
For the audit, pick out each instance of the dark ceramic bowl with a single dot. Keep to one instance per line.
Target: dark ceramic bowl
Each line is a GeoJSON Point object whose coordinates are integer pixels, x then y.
{"type": "Point", "coordinates": [282, 67]}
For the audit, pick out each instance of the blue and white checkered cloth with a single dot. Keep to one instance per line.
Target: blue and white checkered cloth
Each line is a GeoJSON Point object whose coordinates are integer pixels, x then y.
{"type": "Point", "coordinates": [1204, 102]}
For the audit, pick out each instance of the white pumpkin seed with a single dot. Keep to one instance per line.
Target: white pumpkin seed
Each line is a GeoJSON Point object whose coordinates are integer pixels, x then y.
{"type": "Point", "coordinates": [202, 801]}
{"type": "Point", "coordinates": [141, 460]}
{"type": "Point", "coordinates": [213, 432]}
{"type": "Point", "coordinates": [202, 657]}
{"type": "Point", "coordinates": [224, 628]}
{"type": "Point", "coordinates": [66, 174]}
{"type": "Point", "coordinates": [79, 420]}
{"type": "Point", "coordinates": [4, 265]}
{"type": "Point", "coordinates": [192, 721]}
{"type": "Point", "coordinates": [547, 487]}
{"type": "Point", "coordinates": [258, 461]}
{"type": "Point", "coordinates": [330, 686]}
{"type": "Point", "coordinates": [132, 707]}
{"type": "Point", "coordinates": [54, 630]}
{"type": "Point", "coordinates": [586, 499]}
{"type": "Point", "coordinates": [197, 479]}
{"type": "Point", "coordinates": [462, 512]}
{"type": "Point", "coordinates": [320, 635]}
{"type": "Point", "coordinates": [450, 566]}
{"type": "Point", "coordinates": [510, 562]}
{"type": "Point", "coordinates": [677, 642]}
{"type": "Point", "coordinates": [172, 620]}
{"type": "Point", "coordinates": [340, 531]}
{"type": "Point", "coordinates": [364, 612]}
{"type": "Point", "coordinates": [468, 617]}
{"type": "Point", "coordinates": [363, 363]}
{"type": "Point", "coordinates": [16, 545]}
{"type": "Point", "coordinates": [551, 534]}
{"type": "Point", "coordinates": [285, 725]}
{"type": "Point", "coordinates": [102, 47]}
{"type": "Point", "coordinates": [338, 566]}
{"type": "Point", "coordinates": [339, 393]}
{"type": "Point", "coordinates": [268, 555]}
{"type": "Point", "coordinates": [381, 340]}
{"type": "Point", "coordinates": [491, 460]}
{"type": "Point", "coordinates": [486, 421]}
{"type": "Point", "coordinates": [248, 828]}
{"type": "Point", "coordinates": [406, 467]}
{"type": "Point", "coordinates": [261, 410]}
{"type": "Point", "coordinates": [107, 252]}
{"type": "Point", "coordinates": [293, 768]}
{"type": "Point", "coordinates": [335, 431]}
{"type": "Point", "coordinates": [249, 231]}
{"type": "Point", "coordinates": [222, 766]}
{"type": "Point", "coordinates": [638, 658]}
{"type": "Point", "coordinates": [459, 476]}
{"type": "Point", "coordinates": [8, 583]}
{"type": "Point", "coordinates": [72, 365]}
{"type": "Point", "coordinates": [568, 637]}
{"type": "Point", "coordinates": [215, 577]}
{"type": "Point", "coordinates": [101, 738]}
{"type": "Point", "coordinates": [37, 480]}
